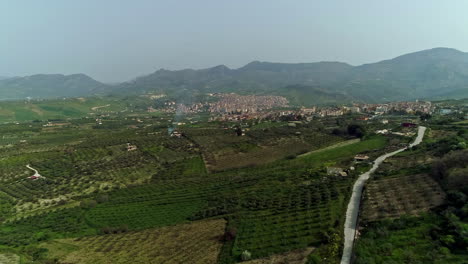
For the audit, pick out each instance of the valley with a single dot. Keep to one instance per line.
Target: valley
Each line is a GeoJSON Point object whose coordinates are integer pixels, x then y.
{"type": "Point", "coordinates": [225, 132]}
{"type": "Point", "coordinates": [119, 175]}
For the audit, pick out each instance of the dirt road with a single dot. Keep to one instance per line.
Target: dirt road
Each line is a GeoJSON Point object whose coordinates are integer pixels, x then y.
{"type": "Point", "coordinates": [355, 201]}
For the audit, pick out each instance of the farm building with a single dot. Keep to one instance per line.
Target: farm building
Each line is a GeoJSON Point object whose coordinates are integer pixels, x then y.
{"type": "Point", "coordinates": [362, 118]}
{"type": "Point", "coordinates": [383, 131]}
{"type": "Point", "coordinates": [131, 147]}
{"type": "Point", "coordinates": [176, 134]}
{"type": "Point", "coordinates": [361, 158]}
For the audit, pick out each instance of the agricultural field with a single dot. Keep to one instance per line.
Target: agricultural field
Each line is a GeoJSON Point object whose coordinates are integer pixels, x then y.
{"type": "Point", "coordinates": [223, 149]}
{"type": "Point", "coordinates": [299, 256]}
{"type": "Point", "coordinates": [9, 258]}
{"type": "Point", "coordinates": [392, 197]}
{"type": "Point", "coordinates": [58, 109]}
{"type": "Point", "coordinates": [415, 205]}
{"type": "Point", "coordinates": [106, 184]}
{"type": "Point", "coordinates": [408, 240]}
{"type": "Point", "coordinates": [197, 242]}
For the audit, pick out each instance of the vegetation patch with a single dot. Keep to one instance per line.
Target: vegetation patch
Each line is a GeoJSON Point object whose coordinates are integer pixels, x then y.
{"type": "Point", "coordinates": [395, 196]}
{"type": "Point", "coordinates": [298, 256]}
{"type": "Point", "coordinates": [197, 242]}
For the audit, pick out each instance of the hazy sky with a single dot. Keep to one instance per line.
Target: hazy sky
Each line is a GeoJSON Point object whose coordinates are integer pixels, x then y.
{"type": "Point", "coordinates": [117, 40]}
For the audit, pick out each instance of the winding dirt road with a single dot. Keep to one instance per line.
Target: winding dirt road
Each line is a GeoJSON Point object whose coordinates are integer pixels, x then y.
{"type": "Point", "coordinates": [36, 173]}
{"type": "Point", "coordinates": [354, 202]}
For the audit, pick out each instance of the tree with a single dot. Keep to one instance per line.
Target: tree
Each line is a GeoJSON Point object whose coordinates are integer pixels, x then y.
{"type": "Point", "coordinates": [356, 130]}
{"type": "Point", "coordinates": [229, 235]}
{"type": "Point", "coordinates": [314, 259]}
{"type": "Point", "coordinates": [424, 116]}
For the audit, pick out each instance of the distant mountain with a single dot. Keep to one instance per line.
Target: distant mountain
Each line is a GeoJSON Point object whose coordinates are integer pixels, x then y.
{"type": "Point", "coordinates": [49, 86]}
{"type": "Point", "coordinates": [254, 78]}
{"type": "Point", "coordinates": [3, 77]}
{"type": "Point", "coordinates": [438, 73]}
{"type": "Point", "coordinates": [434, 73]}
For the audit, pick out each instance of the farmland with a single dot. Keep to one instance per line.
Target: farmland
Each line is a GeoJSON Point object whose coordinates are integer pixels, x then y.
{"type": "Point", "coordinates": [149, 246]}
{"type": "Point", "coordinates": [57, 109]}
{"type": "Point", "coordinates": [292, 257]}
{"type": "Point", "coordinates": [9, 258]}
{"type": "Point", "coordinates": [127, 175]}
{"type": "Point", "coordinates": [405, 195]}
{"type": "Point", "coordinates": [260, 146]}
{"type": "Point", "coordinates": [119, 182]}
{"type": "Point", "coordinates": [414, 204]}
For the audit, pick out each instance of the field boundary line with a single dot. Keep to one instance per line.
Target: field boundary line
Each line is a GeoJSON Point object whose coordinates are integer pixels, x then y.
{"type": "Point", "coordinates": [337, 145]}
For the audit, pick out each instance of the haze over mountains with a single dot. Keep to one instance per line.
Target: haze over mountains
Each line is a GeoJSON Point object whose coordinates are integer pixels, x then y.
{"type": "Point", "coordinates": [429, 74]}
{"type": "Point", "coordinates": [49, 86]}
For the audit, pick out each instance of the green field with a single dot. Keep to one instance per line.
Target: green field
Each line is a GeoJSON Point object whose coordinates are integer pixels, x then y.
{"type": "Point", "coordinates": [407, 240]}
{"type": "Point", "coordinates": [58, 109]}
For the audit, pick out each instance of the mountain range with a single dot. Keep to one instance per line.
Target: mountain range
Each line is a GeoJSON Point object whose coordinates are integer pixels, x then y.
{"type": "Point", "coordinates": [429, 74]}
{"type": "Point", "coordinates": [50, 86]}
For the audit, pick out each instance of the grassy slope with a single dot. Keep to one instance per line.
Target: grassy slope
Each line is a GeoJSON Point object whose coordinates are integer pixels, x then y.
{"type": "Point", "coordinates": [55, 109]}
{"type": "Point", "coordinates": [376, 142]}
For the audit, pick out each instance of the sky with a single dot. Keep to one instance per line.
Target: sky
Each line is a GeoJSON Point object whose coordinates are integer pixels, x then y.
{"type": "Point", "coordinates": [117, 40]}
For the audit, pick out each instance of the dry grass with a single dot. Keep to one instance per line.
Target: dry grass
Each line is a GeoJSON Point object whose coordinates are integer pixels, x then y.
{"type": "Point", "coordinates": [439, 133]}
{"type": "Point", "coordinates": [298, 256]}
{"type": "Point", "coordinates": [396, 163]}
{"type": "Point", "coordinates": [260, 155]}
{"type": "Point", "coordinates": [197, 242]}
{"type": "Point", "coordinates": [396, 196]}
{"type": "Point", "coordinates": [9, 258]}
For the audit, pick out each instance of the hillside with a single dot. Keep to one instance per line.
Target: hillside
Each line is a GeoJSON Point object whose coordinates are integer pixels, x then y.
{"type": "Point", "coordinates": [253, 78]}
{"type": "Point", "coordinates": [313, 95]}
{"type": "Point", "coordinates": [434, 73]}
{"type": "Point", "coordinates": [49, 86]}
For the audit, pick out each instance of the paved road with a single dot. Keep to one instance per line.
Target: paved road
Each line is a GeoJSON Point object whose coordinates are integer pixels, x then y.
{"type": "Point", "coordinates": [354, 202]}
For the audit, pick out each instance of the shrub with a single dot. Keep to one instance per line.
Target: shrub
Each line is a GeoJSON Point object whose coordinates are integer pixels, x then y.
{"type": "Point", "coordinates": [314, 259]}
{"type": "Point", "coordinates": [88, 204]}
{"type": "Point", "coordinates": [102, 198]}
{"type": "Point", "coordinates": [229, 235]}
{"type": "Point", "coordinates": [246, 255]}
